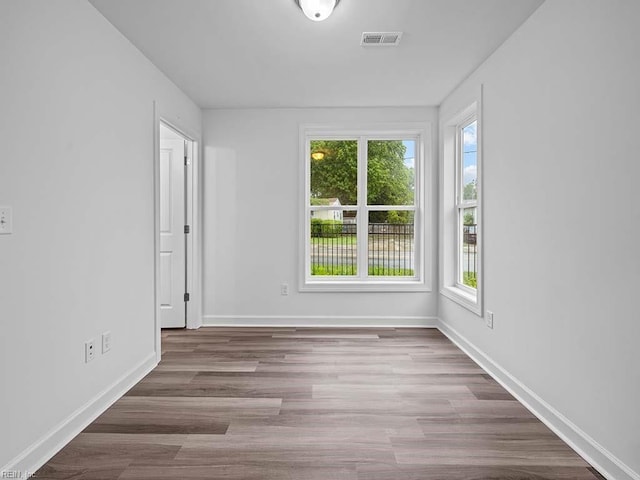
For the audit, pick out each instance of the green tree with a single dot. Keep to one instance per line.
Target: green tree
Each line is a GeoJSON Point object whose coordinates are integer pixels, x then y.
{"type": "Point", "coordinates": [335, 174]}
{"type": "Point", "coordinates": [389, 180]}
{"type": "Point", "coordinates": [470, 191]}
{"type": "Point", "coordinates": [469, 219]}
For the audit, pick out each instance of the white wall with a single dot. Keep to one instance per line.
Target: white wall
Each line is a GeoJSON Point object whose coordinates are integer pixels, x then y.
{"type": "Point", "coordinates": [76, 165]}
{"type": "Point", "coordinates": [252, 167]}
{"type": "Point", "coordinates": [562, 222]}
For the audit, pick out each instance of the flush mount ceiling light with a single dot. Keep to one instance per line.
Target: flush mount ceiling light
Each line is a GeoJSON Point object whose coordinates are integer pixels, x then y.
{"type": "Point", "coordinates": [317, 10]}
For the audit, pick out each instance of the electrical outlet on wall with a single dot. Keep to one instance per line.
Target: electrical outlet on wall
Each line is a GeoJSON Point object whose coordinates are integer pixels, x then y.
{"type": "Point", "coordinates": [489, 319]}
{"type": "Point", "coordinates": [89, 350]}
{"type": "Point", "coordinates": [284, 289]}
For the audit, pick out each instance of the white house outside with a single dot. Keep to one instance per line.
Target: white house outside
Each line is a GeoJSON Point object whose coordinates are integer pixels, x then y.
{"type": "Point", "coordinates": [326, 214]}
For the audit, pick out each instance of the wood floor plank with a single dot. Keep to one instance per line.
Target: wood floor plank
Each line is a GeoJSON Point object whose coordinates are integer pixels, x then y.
{"type": "Point", "coordinates": [316, 404]}
{"type": "Point", "coordinates": [486, 450]}
{"type": "Point", "coordinates": [343, 335]}
{"type": "Point", "coordinates": [331, 450]}
{"type": "Point", "coordinates": [381, 391]}
{"type": "Point", "coordinates": [372, 405]}
{"type": "Point", "coordinates": [327, 429]}
{"type": "Point", "coordinates": [225, 388]}
{"type": "Point", "coordinates": [179, 415]}
{"type": "Point", "coordinates": [469, 380]}
{"type": "Point", "coordinates": [204, 365]}
{"type": "Point", "coordinates": [190, 470]}
{"type": "Point", "coordinates": [474, 472]}
{"type": "Point", "coordinates": [158, 377]}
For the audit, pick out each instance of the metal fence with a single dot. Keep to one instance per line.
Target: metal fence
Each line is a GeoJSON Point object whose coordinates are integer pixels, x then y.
{"type": "Point", "coordinates": [469, 254]}
{"type": "Point", "coordinates": [391, 250]}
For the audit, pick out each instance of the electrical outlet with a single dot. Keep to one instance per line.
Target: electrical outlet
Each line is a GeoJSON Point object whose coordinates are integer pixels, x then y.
{"type": "Point", "coordinates": [489, 319]}
{"type": "Point", "coordinates": [89, 350]}
{"type": "Point", "coordinates": [284, 289]}
{"type": "Point", "coordinates": [106, 342]}
{"type": "Point", "coordinates": [6, 220]}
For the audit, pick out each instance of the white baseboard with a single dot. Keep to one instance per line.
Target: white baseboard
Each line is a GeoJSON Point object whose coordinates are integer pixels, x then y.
{"type": "Point", "coordinates": [316, 321]}
{"type": "Point", "coordinates": [599, 457]}
{"type": "Point", "coordinates": [51, 443]}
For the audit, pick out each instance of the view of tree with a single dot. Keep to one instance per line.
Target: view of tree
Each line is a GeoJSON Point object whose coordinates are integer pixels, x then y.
{"type": "Point", "coordinates": [469, 219]}
{"type": "Point", "coordinates": [335, 175]}
{"type": "Point", "coordinates": [470, 191]}
{"type": "Point", "coordinates": [389, 180]}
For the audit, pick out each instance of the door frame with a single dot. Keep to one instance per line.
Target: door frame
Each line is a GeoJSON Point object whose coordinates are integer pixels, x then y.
{"type": "Point", "coordinates": [193, 205]}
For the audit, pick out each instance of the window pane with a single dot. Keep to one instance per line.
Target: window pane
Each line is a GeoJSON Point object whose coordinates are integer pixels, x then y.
{"type": "Point", "coordinates": [334, 172]}
{"type": "Point", "coordinates": [333, 243]}
{"type": "Point", "coordinates": [391, 243]}
{"type": "Point", "coordinates": [391, 172]}
{"type": "Point", "coordinates": [470, 162]}
{"type": "Point", "coordinates": [469, 248]}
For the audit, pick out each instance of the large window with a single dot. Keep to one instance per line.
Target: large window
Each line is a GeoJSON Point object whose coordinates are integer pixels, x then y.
{"type": "Point", "coordinates": [363, 202]}
{"type": "Point", "coordinates": [461, 238]}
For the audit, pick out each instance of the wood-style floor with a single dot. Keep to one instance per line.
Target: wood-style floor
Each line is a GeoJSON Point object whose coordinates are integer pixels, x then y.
{"type": "Point", "coordinates": [316, 404]}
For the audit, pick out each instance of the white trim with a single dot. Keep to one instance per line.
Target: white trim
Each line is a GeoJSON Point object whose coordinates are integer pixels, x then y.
{"type": "Point", "coordinates": [381, 284]}
{"type": "Point", "coordinates": [595, 454]}
{"type": "Point", "coordinates": [317, 321]}
{"type": "Point", "coordinates": [362, 218]}
{"type": "Point", "coordinates": [462, 298]}
{"type": "Point", "coordinates": [156, 231]}
{"type": "Point", "coordinates": [194, 285]}
{"type": "Point", "coordinates": [194, 313]}
{"type": "Point", "coordinates": [40, 452]}
{"type": "Point", "coordinates": [190, 204]}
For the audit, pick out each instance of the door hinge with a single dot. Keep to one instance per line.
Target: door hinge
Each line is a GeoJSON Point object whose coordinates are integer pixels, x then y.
{"type": "Point", "coordinates": [186, 297]}
{"type": "Point", "coordinates": [187, 229]}
{"type": "Point", "coordinates": [186, 161]}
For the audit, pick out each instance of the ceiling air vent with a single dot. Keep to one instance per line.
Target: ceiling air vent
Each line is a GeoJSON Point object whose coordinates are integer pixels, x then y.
{"type": "Point", "coordinates": [380, 39]}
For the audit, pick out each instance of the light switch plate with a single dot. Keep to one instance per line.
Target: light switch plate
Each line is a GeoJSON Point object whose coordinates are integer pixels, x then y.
{"type": "Point", "coordinates": [106, 342]}
{"type": "Point", "coordinates": [489, 319]}
{"type": "Point", "coordinates": [6, 220]}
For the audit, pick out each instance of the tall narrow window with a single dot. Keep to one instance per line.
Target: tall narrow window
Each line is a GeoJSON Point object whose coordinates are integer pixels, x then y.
{"type": "Point", "coordinates": [467, 204]}
{"type": "Point", "coordinates": [363, 201]}
{"type": "Point", "coordinates": [461, 230]}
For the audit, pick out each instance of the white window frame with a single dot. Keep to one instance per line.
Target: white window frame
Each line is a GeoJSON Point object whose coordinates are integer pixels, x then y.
{"type": "Point", "coordinates": [423, 174]}
{"type": "Point", "coordinates": [453, 205]}
{"type": "Point", "coordinates": [461, 203]}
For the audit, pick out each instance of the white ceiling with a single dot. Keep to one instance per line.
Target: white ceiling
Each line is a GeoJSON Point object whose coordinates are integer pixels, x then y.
{"type": "Point", "coordinates": [266, 53]}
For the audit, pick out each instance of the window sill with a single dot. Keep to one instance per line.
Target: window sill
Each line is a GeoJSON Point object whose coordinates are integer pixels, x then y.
{"type": "Point", "coordinates": [347, 286]}
{"type": "Point", "coordinates": [463, 298]}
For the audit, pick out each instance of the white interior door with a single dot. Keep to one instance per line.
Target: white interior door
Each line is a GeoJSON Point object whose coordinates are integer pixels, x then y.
{"type": "Point", "coordinates": [172, 235]}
